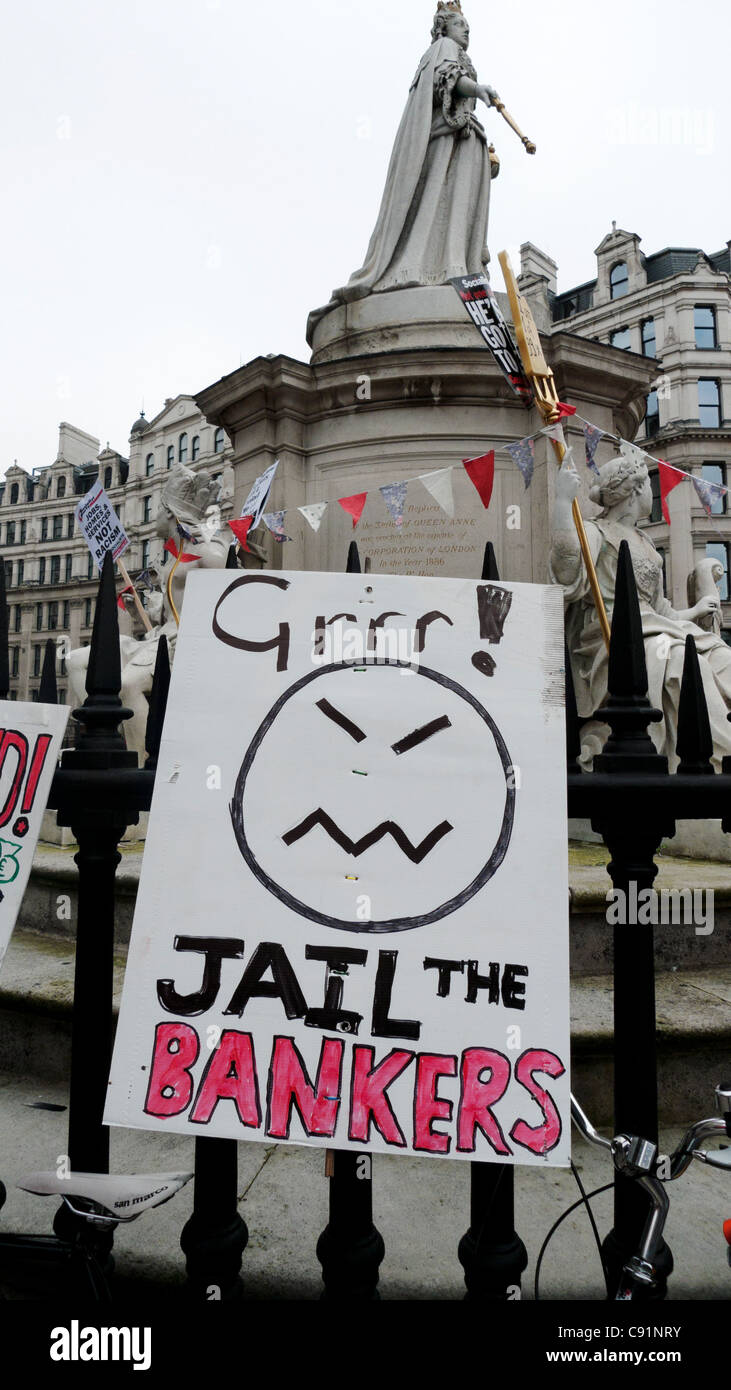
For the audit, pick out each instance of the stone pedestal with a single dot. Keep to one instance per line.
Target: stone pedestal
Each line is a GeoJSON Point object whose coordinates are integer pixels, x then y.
{"type": "Point", "coordinates": [400, 384]}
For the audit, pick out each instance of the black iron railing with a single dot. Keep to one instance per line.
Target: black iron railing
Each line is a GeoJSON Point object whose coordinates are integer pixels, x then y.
{"type": "Point", "coordinates": [632, 801]}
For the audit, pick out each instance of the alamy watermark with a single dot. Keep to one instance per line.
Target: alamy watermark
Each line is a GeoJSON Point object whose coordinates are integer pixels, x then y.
{"type": "Point", "coordinates": [684, 907]}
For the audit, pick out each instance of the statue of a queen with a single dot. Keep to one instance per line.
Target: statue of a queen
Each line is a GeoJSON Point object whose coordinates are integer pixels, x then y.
{"type": "Point", "coordinates": [433, 219]}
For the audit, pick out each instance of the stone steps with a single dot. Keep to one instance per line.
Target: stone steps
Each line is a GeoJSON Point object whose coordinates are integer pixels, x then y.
{"type": "Point", "coordinates": [693, 1026]}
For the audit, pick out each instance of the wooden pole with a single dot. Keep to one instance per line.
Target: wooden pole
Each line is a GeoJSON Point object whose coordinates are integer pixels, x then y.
{"type": "Point", "coordinates": [135, 595]}
{"type": "Point", "coordinates": [544, 388]}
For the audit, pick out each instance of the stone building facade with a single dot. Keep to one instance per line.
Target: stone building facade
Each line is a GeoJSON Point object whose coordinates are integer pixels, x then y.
{"type": "Point", "coordinates": [51, 579]}
{"type": "Point", "coordinates": [673, 306]}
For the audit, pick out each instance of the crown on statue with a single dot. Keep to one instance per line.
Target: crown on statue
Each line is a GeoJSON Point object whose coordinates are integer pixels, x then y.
{"type": "Point", "coordinates": [453, 5]}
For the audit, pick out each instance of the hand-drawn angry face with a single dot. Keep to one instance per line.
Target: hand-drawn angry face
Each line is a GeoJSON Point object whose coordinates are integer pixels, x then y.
{"type": "Point", "coordinates": [374, 801]}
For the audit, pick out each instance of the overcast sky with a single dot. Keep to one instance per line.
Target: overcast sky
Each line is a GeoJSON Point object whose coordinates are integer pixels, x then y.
{"type": "Point", "coordinates": [183, 180]}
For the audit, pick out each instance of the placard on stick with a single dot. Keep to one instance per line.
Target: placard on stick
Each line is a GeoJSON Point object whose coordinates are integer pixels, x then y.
{"type": "Point", "coordinates": [30, 741]}
{"type": "Point", "coordinates": [352, 926]}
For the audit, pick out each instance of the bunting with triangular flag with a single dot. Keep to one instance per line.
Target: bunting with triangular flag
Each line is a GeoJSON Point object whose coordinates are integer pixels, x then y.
{"type": "Point", "coordinates": [481, 471]}
{"type": "Point", "coordinates": [555, 431]}
{"type": "Point", "coordinates": [394, 495]}
{"type": "Point", "coordinates": [708, 493]}
{"type": "Point", "coordinates": [439, 485]}
{"type": "Point", "coordinates": [241, 527]}
{"type": "Point", "coordinates": [669, 478]}
{"type": "Point", "coordinates": [274, 522]}
{"type": "Point", "coordinates": [592, 435]}
{"type": "Point", "coordinates": [354, 506]}
{"type": "Point", "coordinates": [524, 455]}
{"type": "Point", "coordinates": [128, 589]}
{"type": "Point", "coordinates": [313, 513]}
{"type": "Point", "coordinates": [180, 555]}
{"type": "Point", "coordinates": [565, 410]}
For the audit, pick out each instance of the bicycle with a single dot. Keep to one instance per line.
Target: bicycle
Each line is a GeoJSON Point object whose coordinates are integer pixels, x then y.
{"type": "Point", "coordinates": [638, 1160]}
{"type": "Point", "coordinates": [101, 1202]}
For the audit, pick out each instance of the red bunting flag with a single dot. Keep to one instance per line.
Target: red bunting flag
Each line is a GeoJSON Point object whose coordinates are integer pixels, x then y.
{"type": "Point", "coordinates": [128, 589]}
{"type": "Point", "coordinates": [482, 473]}
{"type": "Point", "coordinates": [564, 409]}
{"type": "Point", "coordinates": [669, 478]}
{"type": "Point", "coordinates": [170, 547]}
{"type": "Point", "coordinates": [241, 528]}
{"type": "Point", "coordinates": [354, 506]}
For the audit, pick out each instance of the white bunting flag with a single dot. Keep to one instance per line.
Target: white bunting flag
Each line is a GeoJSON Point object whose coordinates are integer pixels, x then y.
{"type": "Point", "coordinates": [439, 484]}
{"type": "Point", "coordinates": [555, 432]}
{"type": "Point", "coordinates": [313, 513]}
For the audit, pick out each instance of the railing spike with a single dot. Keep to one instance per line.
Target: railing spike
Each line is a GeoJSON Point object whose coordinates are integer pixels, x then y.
{"type": "Point", "coordinates": [101, 713]}
{"type": "Point", "coordinates": [627, 709]}
{"type": "Point", "coordinates": [158, 704]}
{"type": "Point", "coordinates": [489, 564]}
{"type": "Point", "coordinates": [695, 742]}
{"type": "Point", "coordinates": [48, 690]}
{"type": "Point", "coordinates": [4, 625]}
{"type": "Point", "coordinates": [353, 565]}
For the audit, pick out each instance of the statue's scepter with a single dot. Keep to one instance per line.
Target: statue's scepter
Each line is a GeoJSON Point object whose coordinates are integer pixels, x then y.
{"type": "Point", "coordinates": [500, 106]}
{"type": "Point", "coordinates": [546, 395]}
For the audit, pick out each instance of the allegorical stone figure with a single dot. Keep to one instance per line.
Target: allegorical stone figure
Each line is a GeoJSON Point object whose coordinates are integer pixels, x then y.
{"type": "Point", "coordinates": [433, 219]}
{"type": "Point", "coordinates": [624, 493]}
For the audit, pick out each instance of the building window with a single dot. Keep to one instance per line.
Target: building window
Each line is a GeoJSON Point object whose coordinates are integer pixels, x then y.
{"type": "Point", "coordinates": [21, 571]}
{"type": "Point", "coordinates": [90, 566]}
{"type": "Point", "coordinates": [34, 696]}
{"type": "Point", "coordinates": [87, 613]}
{"type": "Point", "coordinates": [30, 489]}
{"type": "Point", "coordinates": [108, 476]}
{"type": "Point", "coordinates": [196, 447]}
{"type": "Point", "coordinates": [39, 616]}
{"type": "Point", "coordinates": [709, 403]}
{"type": "Point", "coordinates": [171, 455]}
{"type": "Point", "coordinates": [704, 323]}
{"type": "Point", "coordinates": [68, 569]}
{"type": "Point", "coordinates": [664, 557]}
{"type": "Point", "coordinates": [621, 339]}
{"type": "Point", "coordinates": [10, 537]}
{"type": "Point", "coordinates": [15, 661]}
{"type": "Point", "coordinates": [52, 616]}
{"type": "Point", "coordinates": [58, 528]}
{"type": "Point", "coordinates": [61, 487]}
{"type": "Point", "coordinates": [652, 415]}
{"type": "Point", "coordinates": [718, 550]}
{"type": "Point", "coordinates": [656, 513]}
{"type": "Point", "coordinates": [18, 617]}
{"type": "Point", "coordinates": [218, 442]}
{"type": "Point", "coordinates": [649, 344]}
{"type": "Point", "coordinates": [42, 570]}
{"type": "Point", "coordinates": [66, 615]}
{"type": "Point", "coordinates": [62, 666]}
{"type": "Point", "coordinates": [8, 574]}
{"type": "Point", "coordinates": [146, 554]}
{"type": "Point", "coordinates": [44, 528]}
{"type": "Point", "coordinates": [147, 509]}
{"type": "Point", "coordinates": [149, 465]}
{"type": "Point", "coordinates": [55, 569]}
{"type": "Point", "coordinates": [69, 526]}
{"type": "Point", "coordinates": [23, 532]}
{"type": "Point", "coordinates": [37, 660]}
{"type": "Point", "coordinates": [618, 280]}
{"type": "Point", "coordinates": [183, 449]}
{"type": "Point", "coordinates": [716, 473]}
{"type": "Point", "coordinates": [14, 492]}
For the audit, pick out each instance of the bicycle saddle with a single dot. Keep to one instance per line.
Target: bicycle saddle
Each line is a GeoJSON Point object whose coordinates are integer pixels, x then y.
{"type": "Point", "coordinates": [120, 1195]}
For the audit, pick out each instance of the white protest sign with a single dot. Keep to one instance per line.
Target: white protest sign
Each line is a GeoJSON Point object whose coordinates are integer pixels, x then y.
{"type": "Point", "coordinates": [352, 921]}
{"type": "Point", "coordinates": [30, 742]}
{"type": "Point", "coordinates": [257, 498]}
{"type": "Point", "coordinates": [100, 524]}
